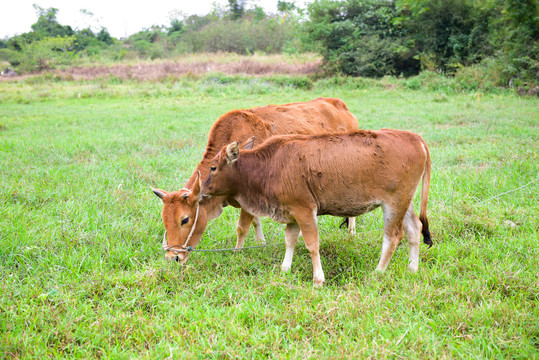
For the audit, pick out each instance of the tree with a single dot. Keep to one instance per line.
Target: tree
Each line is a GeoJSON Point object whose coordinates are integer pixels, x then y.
{"type": "Point", "coordinates": [104, 36]}
{"type": "Point", "coordinates": [47, 24]}
{"type": "Point", "coordinates": [46, 53]}
{"type": "Point", "coordinates": [360, 37]}
{"type": "Point", "coordinates": [516, 34]}
{"type": "Point", "coordinates": [176, 26]}
{"type": "Point", "coordinates": [285, 6]}
{"type": "Point", "coordinates": [236, 8]}
{"type": "Point", "coordinates": [447, 33]}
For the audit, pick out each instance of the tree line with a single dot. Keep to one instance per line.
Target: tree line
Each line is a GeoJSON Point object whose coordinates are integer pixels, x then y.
{"type": "Point", "coordinates": [369, 38]}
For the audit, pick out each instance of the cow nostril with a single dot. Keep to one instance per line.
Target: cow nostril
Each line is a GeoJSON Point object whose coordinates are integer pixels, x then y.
{"type": "Point", "coordinates": [172, 258]}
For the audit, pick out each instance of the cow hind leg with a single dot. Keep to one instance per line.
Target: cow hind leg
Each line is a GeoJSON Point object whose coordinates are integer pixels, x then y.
{"type": "Point", "coordinates": [244, 223]}
{"type": "Point", "coordinates": [392, 235]}
{"type": "Point", "coordinates": [412, 229]}
{"type": "Point", "coordinates": [259, 234]}
{"type": "Point", "coordinates": [306, 220]}
{"type": "Point", "coordinates": [350, 223]}
{"type": "Point", "coordinates": [291, 238]}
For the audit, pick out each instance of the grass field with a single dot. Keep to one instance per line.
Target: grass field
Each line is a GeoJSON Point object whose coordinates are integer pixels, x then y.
{"type": "Point", "coordinates": [83, 275]}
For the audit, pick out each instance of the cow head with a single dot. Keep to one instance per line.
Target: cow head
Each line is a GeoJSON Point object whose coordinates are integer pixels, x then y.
{"type": "Point", "coordinates": [221, 179]}
{"type": "Point", "coordinates": [183, 218]}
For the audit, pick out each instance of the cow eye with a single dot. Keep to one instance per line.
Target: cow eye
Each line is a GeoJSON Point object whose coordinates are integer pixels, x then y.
{"type": "Point", "coordinates": [185, 220]}
{"type": "Point", "coordinates": [213, 168]}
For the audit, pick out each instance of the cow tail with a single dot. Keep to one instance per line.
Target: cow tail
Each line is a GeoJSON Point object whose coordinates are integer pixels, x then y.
{"type": "Point", "coordinates": [344, 223]}
{"type": "Point", "coordinates": [425, 199]}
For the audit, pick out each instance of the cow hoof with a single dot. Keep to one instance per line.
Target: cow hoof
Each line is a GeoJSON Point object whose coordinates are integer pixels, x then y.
{"type": "Point", "coordinates": [318, 280]}
{"type": "Point", "coordinates": [412, 268]}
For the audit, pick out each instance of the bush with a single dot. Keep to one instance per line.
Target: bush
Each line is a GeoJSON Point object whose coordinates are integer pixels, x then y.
{"type": "Point", "coordinates": [11, 56]}
{"type": "Point", "coordinates": [360, 38]}
{"type": "Point", "coordinates": [241, 37]}
{"type": "Point", "coordinates": [447, 33]}
{"type": "Point", "coordinates": [47, 53]}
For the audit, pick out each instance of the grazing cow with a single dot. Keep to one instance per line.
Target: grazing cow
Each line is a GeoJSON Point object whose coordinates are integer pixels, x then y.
{"type": "Point", "coordinates": [295, 178]}
{"type": "Point", "coordinates": [185, 213]}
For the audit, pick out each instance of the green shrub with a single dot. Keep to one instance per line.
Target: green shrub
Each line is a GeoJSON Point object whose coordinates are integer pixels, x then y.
{"type": "Point", "coordinates": [447, 33]}
{"type": "Point", "coordinates": [413, 83]}
{"type": "Point", "coordinates": [360, 38]}
{"type": "Point", "coordinates": [436, 81]}
{"type": "Point", "coordinates": [298, 82]}
{"type": "Point", "coordinates": [241, 37]}
{"type": "Point", "coordinates": [47, 53]}
{"type": "Point", "coordinates": [345, 82]}
{"type": "Point", "coordinates": [11, 56]}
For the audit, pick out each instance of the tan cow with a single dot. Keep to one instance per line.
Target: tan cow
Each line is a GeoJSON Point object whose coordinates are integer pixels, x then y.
{"type": "Point", "coordinates": [295, 178]}
{"type": "Point", "coordinates": [185, 213]}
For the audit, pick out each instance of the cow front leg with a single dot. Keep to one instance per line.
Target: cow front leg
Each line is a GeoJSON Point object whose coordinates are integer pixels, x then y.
{"type": "Point", "coordinates": [291, 238]}
{"type": "Point", "coordinates": [244, 223]}
{"type": "Point", "coordinates": [309, 229]}
{"type": "Point", "coordinates": [259, 234]}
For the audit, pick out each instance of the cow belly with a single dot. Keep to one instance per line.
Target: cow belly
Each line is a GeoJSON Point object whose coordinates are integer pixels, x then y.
{"type": "Point", "coordinates": [262, 207]}
{"type": "Point", "coordinates": [347, 210]}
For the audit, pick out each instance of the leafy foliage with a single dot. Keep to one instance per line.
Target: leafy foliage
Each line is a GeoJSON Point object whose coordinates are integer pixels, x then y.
{"type": "Point", "coordinates": [242, 37]}
{"type": "Point", "coordinates": [360, 38]}
{"type": "Point", "coordinates": [379, 37]}
{"type": "Point", "coordinates": [373, 38]}
{"type": "Point", "coordinates": [516, 33]}
{"type": "Point", "coordinates": [447, 33]}
{"type": "Point", "coordinates": [46, 53]}
{"type": "Point", "coordinates": [47, 24]}
{"type": "Point", "coordinates": [50, 44]}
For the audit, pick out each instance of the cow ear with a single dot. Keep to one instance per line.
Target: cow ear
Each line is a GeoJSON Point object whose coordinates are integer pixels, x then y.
{"type": "Point", "coordinates": [232, 152]}
{"type": "Point", "coordinates": [160, 193]}
{"type": "Point", "coordinates": [197, 186]}
{"type": "Point", "coordinates": [248, 145]}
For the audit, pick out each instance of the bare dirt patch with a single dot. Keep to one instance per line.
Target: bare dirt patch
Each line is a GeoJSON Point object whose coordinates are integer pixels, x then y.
{"type": "Point", "coordinates": [157, 71]}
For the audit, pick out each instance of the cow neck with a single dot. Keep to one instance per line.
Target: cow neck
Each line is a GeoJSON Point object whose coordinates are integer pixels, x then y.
{"type": "Point", "coordinates": [209, 204]}
{"type": "Point", "coordinates": [245, 182]}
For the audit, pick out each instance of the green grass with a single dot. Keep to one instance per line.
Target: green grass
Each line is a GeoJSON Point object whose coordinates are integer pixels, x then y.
{"type": "Point", "coordinates": [83, 275]}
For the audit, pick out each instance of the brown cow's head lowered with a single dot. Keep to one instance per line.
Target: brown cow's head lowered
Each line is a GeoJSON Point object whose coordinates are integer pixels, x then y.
{"type": "Point", "coordinates": [183, 220]}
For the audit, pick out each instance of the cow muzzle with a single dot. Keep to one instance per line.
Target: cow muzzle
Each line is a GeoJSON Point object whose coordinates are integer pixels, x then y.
{"type": "Point", "coordinates": [180, 258]}
{"type": "Point", "coordinates": [178, 254]}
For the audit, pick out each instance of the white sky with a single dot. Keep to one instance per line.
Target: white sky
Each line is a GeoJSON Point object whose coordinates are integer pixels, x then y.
{"type": "Point", "coordinates": [121, 18]}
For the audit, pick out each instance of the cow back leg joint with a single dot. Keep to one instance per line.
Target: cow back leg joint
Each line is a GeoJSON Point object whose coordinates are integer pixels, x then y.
{"type": "Point", "coordinates": [393, 234]}
{"type": "Point", "coordinates": [412, 229]}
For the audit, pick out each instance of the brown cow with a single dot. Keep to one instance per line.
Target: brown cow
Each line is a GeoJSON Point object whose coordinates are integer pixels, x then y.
{"type": "Point", "coordinates": [295, 178]}
{"type": "Point", "coordinates": [185, 213]}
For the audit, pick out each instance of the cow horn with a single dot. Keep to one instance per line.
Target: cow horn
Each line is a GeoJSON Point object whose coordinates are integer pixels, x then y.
{"type": "Point", "coordinates": [248, 145]}
{"type": "Point", "coordinates": [160, 193]}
